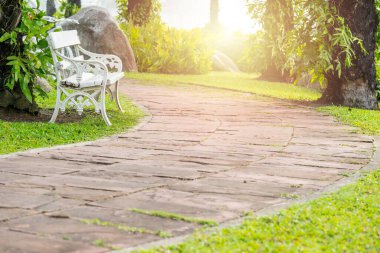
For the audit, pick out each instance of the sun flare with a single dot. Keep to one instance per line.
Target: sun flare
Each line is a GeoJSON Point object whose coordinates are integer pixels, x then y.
{"type": "Point", "coordinates": [196, 13]}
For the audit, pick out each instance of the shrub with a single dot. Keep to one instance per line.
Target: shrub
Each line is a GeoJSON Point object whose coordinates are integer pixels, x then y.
{"type": "Point", "coordinates": [66, 9]}
{"type": "Point", "coordinates": [161, 49]}
{"type": "Point", "coordinates": [33, 58]}
{"type": "Point", "coordinates": [139, 12]}
{"type": "Point", "coordinates": [254, 57]}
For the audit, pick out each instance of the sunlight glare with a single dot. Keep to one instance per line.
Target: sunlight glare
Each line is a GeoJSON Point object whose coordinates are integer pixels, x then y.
{"type": "Point", "coordinates": [234, 18]}
{"type": "Point", "coordinates": [190, 14]}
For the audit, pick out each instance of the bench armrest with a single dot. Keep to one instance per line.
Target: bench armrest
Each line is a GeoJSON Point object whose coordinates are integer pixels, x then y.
{"type": "Point", "coordinates": [79, 67]}
{"type": "Point", "coordinates": [110, 60]}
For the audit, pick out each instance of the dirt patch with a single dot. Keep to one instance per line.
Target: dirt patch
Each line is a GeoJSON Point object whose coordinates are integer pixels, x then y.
{"type": "Point", "coordinates": [44, 115]}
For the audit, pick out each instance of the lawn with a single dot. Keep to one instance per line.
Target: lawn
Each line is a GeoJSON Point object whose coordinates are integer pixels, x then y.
{"type": "Point", "coordinates": [234, 81]}
{"type": "Point", "coordinates": [345, 221]}
{"type": "Point", "coordinates": [19, 136]}
{"type": "Point", "coordinates": [367, 121]}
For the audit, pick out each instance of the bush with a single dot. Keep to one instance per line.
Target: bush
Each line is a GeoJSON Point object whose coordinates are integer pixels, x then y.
{"type": "Point", "coordinates": [139, 12]}
{"type": "Point", "coordinates": [161, 49]}
{"type": "Point", "coordinates": [66, 9]}
{"type": "Point", "coordinates": [31, 57]}
{"type": "Point", "coordinates": [254, 57]}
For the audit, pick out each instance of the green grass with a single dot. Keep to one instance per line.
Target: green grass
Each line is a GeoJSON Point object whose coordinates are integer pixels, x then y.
{"type": "Point", "coordinates": [367, 121]}
{"type": "Point", "coordinates": [19, 136]}
{"type": "Point", "coordinates": [345, 221]}
{"type": "Point", "coordinates": [174, 216]}
{"type": "Point", "coordinates": [236, 81]}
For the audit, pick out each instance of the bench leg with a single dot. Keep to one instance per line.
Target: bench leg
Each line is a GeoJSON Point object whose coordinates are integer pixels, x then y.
{"type": "Point", "coordinates": [117, 96]}
{"type": "Point", "coordinates": [57, 107]}
{"type": "Point", "coordinates": [103, 107]}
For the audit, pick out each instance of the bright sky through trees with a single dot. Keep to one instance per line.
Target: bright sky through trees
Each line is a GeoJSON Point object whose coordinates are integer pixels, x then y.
{"type": "Point", "coordinates": [196, 13]}
{"type": "Point", "coordinates": [192, 13]}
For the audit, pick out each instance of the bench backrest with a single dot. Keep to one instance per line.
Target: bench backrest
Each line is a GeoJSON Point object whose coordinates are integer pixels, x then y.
{"type": "Point", "coordinates": [64, 43]}
{"type": "Point", "coordinates": [64, 39]}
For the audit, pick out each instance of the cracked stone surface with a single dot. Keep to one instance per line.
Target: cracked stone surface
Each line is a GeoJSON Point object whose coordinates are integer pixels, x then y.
{"type": "Point", "coordinates": [203, 153]}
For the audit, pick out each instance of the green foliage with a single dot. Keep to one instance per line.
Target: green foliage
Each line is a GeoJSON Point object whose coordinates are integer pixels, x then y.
{"type": "Point", "coordinates": [345, 221]}
{"type": "Point", "coordinates": [138, 12]}
{"type": "Point", "coordinates": [255, 55]}
{"type": "Point", "coordinates": [235, 81]}
{"type": "Point", "coordinates": [19, 136]}
{"type": "Point", "coordinates": [161, 49]}
{"type": "Point", "coordinates": [33, 59]}
{"type": "Point", "coordinates": [304, 37]}
{"type": "Point", "coordinates": [66, 9]}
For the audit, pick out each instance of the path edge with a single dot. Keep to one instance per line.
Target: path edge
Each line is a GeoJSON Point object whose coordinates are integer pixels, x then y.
{"type": "Point", "coordinates": [271, 210]}
{"type": "Point", "coordinates": [142, 122]}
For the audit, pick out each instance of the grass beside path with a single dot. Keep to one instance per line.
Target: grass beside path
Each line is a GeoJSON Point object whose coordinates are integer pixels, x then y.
{"type": "Point", "coordinates": [19, 136]}
{"type": "Point", "coordinates": [345, 221]}
{"type": "Point", "coordinates": [236, 81]}
{"type": "Point", "coordinates": [368, 121]}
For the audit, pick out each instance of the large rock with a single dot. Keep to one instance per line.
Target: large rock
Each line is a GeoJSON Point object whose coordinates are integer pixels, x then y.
{"type": "Point", "coordinates": [99, 33]}
{"type": "Point", "coordinates": [222, 62]}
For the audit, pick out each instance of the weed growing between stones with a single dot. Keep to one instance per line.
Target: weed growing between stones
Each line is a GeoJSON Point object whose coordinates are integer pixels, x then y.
{"type": "Point", "coordinates": [174, 216]}
{"type": "Point", "coordinates": [123, 227]}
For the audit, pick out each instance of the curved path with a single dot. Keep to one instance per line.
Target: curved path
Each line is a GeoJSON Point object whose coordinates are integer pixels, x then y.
{"type": "Point", "coordinates": [203, 153]}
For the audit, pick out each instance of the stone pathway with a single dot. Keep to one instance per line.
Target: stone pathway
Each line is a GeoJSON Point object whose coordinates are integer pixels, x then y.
{"type": "Point", "coordinates": [204, 153]}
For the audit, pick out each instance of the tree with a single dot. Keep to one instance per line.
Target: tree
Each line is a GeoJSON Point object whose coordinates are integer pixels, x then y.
{"type": "Point", "coordinates": [139, 12]}
{"type": "Point", "coordinates": [273, 32]}
{"type": "Point", "coordinates": [356, 85]}
{"type": "Point", "coordinates": [50, 8]}
{"type": "Point", "coordinates": [333, 42]}
{"type": "Point", "coordinates": [214, 14]}
{"type": "Point", "coordinates": [10, 18]}
{"type": "Point", "coordinates": [24, 54]}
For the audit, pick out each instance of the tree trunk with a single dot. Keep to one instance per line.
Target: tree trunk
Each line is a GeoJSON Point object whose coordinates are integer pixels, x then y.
{"type": "Point", "coordinates": [140, 11]}
{"type": "Point", "coordinates": [10, 17]}
{"type": "Point", "coordinates": [214, 14]}
{"type": "Point", "coordinates": [357, 84]}
{"type": "Point", "coordinates": [50, 8]}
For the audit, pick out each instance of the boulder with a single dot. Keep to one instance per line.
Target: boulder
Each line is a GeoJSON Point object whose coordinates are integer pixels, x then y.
{"type": "Point", "coordinates": [222, 62]}
{"type": "Point", "coordinates": [100, 33]}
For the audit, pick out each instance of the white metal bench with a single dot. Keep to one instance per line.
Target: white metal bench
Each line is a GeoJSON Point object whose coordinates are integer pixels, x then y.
{"type": "Point", "coordinates": [83, 77]}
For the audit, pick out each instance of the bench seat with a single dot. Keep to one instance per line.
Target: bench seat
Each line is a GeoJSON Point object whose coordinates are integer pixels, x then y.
{"type": "Point", "coordinates": [90, 80]}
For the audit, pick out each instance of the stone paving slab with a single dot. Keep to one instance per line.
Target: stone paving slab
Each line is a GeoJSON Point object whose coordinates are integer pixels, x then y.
{"type": "Point", "coordinates": [203, 153]}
